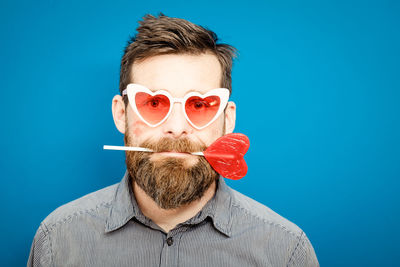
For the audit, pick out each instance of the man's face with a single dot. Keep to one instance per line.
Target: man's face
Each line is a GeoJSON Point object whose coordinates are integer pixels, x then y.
{"type": "Point", "coordinates": [169, 177]}
{"type": "Point", "coordinates": [177, 74]}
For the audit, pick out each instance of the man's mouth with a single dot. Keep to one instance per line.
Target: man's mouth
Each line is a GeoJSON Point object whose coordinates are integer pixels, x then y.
{"type": "Point", "coordinates": [187, 159]}
{"type": "Point", "coordinates": [173, 154]}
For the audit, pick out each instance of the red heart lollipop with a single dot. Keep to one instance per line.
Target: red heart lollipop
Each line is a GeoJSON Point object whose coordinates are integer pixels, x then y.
{"type": "Point", "coordinates": [225, 155]}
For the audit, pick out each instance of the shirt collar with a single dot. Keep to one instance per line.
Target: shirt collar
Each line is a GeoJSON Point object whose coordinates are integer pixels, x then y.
{"type": "Point", "coordinates": [124, 207]}
{"type": "Point", "coordinates": [221, 209]}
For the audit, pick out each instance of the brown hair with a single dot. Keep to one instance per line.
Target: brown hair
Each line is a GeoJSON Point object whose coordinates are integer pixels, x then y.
{"type": "Point", "coordinates": [166, 35]}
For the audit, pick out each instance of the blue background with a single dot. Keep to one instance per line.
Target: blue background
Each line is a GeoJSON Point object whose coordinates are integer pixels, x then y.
{"type": "Point", "coordinates": [317, 89]}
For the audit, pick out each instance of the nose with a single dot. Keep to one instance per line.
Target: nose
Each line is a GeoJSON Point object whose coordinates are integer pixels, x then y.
{"type": "Point", "coordinates": [176, 125]}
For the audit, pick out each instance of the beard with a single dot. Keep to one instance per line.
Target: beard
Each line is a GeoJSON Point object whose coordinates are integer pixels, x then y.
{"type": "Point", "coordinates": [169, 181]}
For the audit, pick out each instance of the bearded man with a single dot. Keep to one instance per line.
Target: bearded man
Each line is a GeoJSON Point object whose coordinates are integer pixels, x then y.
{"type": "Point", "coordinates": [171, 207]}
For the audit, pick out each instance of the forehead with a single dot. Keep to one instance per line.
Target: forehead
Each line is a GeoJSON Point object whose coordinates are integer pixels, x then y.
{"type": "Point", "coordinates": [178, 73]}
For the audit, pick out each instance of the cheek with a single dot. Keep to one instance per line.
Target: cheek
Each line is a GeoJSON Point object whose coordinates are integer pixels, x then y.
{"type": "Point", "coordinates": [215, 133]}
{"type": "Point", "coordinates": [211, 133]}
{"type": "Point", "coordinates": [217, 127]}
{"type": "Point", "coordinates": [137, 128]}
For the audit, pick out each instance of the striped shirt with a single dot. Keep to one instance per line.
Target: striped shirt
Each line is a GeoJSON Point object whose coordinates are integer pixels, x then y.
{"type": "Point", "coordinates": [107, 228]}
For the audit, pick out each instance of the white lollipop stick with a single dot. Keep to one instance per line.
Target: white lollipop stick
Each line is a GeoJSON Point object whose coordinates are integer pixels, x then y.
{"type": "Point", "coordinates": [143, 149]}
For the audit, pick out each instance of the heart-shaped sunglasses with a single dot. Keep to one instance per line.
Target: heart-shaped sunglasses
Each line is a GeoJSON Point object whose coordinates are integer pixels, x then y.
{"type": "Point", "coordinates": [155, 107]}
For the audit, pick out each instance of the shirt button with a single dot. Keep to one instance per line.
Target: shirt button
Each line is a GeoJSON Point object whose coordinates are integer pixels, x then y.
{"type": "Point", "coordinates": [170, 241]}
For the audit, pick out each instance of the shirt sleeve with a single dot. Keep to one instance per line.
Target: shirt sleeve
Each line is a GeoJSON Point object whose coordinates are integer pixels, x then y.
{"type": "Point", "coordinates": [40, 254]}
{"type": "Point", "coordinates": [303, 254]}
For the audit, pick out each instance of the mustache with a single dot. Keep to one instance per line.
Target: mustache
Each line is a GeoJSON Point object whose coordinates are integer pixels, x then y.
{"type": "Point", "coordinates": [166, 144]}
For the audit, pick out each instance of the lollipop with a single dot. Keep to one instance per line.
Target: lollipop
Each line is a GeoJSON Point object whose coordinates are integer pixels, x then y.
{"type": "Point", "coordinates": [225, 155]}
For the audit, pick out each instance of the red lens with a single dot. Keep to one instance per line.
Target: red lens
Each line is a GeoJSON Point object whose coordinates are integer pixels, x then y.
{"type": "Point", "coordinates": [201, 111]}
{"type": "Point", "coordinates": [153, 109]}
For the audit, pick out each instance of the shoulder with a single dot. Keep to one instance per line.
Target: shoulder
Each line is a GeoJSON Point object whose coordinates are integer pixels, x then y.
{"type": "Point", "coordinates": [282, 242]}
{"type": "Point", "coordinates": [64, 230]}
{"type": "Point", "coordinates": [96, 202]}
{"type": "Point", "coordinates": [256, 213]}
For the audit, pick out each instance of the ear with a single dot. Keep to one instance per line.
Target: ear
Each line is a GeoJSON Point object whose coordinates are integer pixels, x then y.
{"type": "Point", "coordinates": [230, 117]}
{"type": "Point", "coordinates": [118, 112]}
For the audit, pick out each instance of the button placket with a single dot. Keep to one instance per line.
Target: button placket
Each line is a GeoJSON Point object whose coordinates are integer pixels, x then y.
{"type": "Point", "coordinates": [170, 241]}
{"type": "Point", "coordinates": [170, 250]}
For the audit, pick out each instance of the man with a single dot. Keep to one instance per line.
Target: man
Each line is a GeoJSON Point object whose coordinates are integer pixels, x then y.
{"type": "Point", "coordinates": [171, 208]}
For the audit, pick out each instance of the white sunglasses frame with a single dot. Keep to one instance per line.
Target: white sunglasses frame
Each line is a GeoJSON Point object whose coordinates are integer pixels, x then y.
{"type": "Point", "coordinates": [132, 89]}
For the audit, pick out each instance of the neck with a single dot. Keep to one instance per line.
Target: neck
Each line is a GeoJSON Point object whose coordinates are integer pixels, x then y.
{"type": "Point", "coordinates": [168, 219]}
